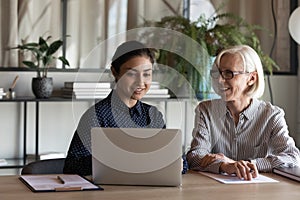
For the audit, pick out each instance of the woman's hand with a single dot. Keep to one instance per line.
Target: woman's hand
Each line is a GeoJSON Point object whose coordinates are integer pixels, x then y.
{"type": "Point", "coordinates": [210, 158]}
{"type": "Point", "coordinates": [243, 169]}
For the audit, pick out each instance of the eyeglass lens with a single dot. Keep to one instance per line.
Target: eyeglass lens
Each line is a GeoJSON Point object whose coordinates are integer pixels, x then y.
{"type": "Point", "coordinates": [226, 74]}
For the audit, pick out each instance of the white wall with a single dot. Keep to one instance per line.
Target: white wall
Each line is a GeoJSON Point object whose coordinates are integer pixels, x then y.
{"type": "Point", "coordinates": [58, 120]}
{"type": "Point", "coordinates": [285, 95]}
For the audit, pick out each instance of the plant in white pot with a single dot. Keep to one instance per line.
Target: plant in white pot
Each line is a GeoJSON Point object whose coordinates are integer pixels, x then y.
{"type": "Point", "coordinates": [43, 57]}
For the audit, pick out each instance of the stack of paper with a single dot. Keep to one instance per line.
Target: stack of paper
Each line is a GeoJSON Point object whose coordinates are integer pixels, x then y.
{"type": "Point", "coordinates": [2, 93]}
{"type": "Point", "coordinates": [86, 90]}
{"type": "Point", "coordinates": [3, 162]}
{"type": "Point", "coordinates": [232, 179]}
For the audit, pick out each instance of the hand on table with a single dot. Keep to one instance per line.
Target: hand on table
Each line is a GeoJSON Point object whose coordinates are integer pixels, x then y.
{"type": "Point", "coordinates": [210, 158]}
{"type": "Point", "coordinates": [243, 169]}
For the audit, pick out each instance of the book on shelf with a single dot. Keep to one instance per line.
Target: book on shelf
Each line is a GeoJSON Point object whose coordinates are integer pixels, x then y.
{"type": "Point", "coordinates": [289, 172]}
{"type": "Point", "coordinates": [82, 84]}
{"type": "Point", "coordinates": [86, 90]}
{"type": "Point", "coordinates": [47, 155]}
{"type": "Point", "coordinates": [96, 96]}
{"type": "Point", "coordinates": [155, 85]}
{"type": "Point", "coordinates": [157, 96]}
{"type": "Point", "coordinates": [157, 91]}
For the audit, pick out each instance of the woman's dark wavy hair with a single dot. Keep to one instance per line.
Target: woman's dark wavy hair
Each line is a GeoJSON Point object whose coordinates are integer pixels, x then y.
{"type": "Point", "coordinates": [128, 50]}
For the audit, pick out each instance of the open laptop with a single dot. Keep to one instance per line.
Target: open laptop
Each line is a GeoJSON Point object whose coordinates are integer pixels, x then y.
{"type": "Point", "coordinates": [136, 156]}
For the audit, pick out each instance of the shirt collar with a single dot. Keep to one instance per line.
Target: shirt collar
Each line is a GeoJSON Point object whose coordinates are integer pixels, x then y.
{"type": "Point", "coordinates": [118, 104]}
{"type": "Point", "coordinates": [221, 110]}
{"type": "Point", "coordinates": [250, 112]}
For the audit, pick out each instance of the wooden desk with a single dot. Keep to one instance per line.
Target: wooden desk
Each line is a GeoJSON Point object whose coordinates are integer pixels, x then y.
{"type": "Point", "coordinates": [195, 186]}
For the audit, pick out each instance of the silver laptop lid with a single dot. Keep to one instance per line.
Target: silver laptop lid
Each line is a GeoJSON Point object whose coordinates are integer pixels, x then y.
{"type": "Point", "coordinates": [136, 156]}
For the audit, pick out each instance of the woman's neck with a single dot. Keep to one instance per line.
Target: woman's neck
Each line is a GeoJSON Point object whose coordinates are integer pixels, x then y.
{"type": "Point", "coordinates": [236, 107]}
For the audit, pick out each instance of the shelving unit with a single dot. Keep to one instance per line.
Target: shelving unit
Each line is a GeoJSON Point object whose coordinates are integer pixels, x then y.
{"type": "Point", "coordinates": [20, 162]}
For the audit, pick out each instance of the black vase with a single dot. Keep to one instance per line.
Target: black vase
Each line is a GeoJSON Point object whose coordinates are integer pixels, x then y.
{"type": "Point", "coordinates": [42, 87]}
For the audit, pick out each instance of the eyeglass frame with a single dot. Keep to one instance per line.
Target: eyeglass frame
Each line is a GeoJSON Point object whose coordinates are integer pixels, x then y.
{"type": "Point", "coordinates": [233, 73]}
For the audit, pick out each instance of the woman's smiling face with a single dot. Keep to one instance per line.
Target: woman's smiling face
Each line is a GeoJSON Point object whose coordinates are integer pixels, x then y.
{"type": "Point", "coordinates": [236, 87]}
{"type": "Point", "coordinates": [134, 79]}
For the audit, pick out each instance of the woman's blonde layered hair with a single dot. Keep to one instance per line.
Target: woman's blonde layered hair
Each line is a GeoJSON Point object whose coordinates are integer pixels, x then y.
{"type": "Point", "coordinates": [251, 63]}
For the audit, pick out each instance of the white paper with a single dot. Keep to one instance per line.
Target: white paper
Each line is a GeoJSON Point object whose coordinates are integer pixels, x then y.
{"type": "Point", "coordinates": [227, 179]}
{"type": "Point", "coordinates": [3, 162]}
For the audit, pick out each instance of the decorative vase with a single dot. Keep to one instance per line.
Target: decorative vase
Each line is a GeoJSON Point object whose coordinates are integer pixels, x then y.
{"type": "Point", "coordinates": [42, 87]}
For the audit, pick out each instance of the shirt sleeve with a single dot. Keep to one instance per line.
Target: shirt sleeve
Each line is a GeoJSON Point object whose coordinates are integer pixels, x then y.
{"type": "Point", "coordinates": [201, 144]}
{"type": "Point", "coordinates": [78, 160]}
{"type": "Point", "coordinates": [282, 149]}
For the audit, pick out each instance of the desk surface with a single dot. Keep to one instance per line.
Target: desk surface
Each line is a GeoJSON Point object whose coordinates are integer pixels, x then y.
{"type": "Point", "coordinates": [195, 186]}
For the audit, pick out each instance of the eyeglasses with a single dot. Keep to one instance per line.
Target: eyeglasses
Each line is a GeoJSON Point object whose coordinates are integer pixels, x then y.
{"type": "Point", "coordinates": [226, 74]}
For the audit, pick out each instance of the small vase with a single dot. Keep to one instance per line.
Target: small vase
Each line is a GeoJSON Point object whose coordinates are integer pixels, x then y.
{"type": "Point", "coordinates": [42, 87]}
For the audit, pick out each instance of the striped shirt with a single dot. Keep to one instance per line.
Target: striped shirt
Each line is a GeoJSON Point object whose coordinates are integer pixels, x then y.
{"type": "Point", "coordinates": [261, 135]}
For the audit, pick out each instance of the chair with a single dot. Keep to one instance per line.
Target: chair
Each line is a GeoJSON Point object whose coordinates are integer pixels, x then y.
{"type": "Point", "coordinates": [49, 166]}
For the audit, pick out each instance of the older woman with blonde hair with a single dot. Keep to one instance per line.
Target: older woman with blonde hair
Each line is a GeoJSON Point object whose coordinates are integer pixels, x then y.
{"type": "Point", "coordinates": [240, 134]}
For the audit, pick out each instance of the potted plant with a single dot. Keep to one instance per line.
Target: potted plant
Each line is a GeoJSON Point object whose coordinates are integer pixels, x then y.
{"type": "Point", "coordinates": [42, 57]}
{"type": "Point", "coordinates": [213, 36]}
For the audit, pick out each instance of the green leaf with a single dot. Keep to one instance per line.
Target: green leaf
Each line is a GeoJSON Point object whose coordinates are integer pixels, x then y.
{"type": "Point", "coordinates": [32, 44]}
{"type": "Point", "coordinates": [46, 60]}
{"type": "Point", "coordinates": [43, 45]}
{"type": "Point", "coordinates": [29, 64]}
{"type": "Point", "coordinates": [64, 60]}
{"type": "Point", "coordinates": [42, 41]}
{"type": "Point", "coordinates": [54, 47]}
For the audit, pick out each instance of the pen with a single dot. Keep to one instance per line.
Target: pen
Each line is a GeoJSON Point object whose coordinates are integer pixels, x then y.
{"type": "Point", "coordinates": [61, 180]}
{"type": "Point", "coordinates": [13, 85]}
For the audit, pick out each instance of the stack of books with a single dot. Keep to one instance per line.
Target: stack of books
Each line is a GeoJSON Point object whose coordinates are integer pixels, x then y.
{"type": "Point", "coordinates": [2, 93]}
{"type": "Point", "coordinates": [86, 90]}
{"type": "Point", "coordinates": [100, 90]}
{"type": "Point", "coordinates": [156, 91]}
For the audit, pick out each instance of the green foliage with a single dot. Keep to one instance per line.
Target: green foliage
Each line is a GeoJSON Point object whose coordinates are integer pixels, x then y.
{"type": "Point", "coordinates": [42, 55]}
{"type": "Point", "coordinates": [235, 31]}
{"type": "Point", "coordinates": [213, 36]}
